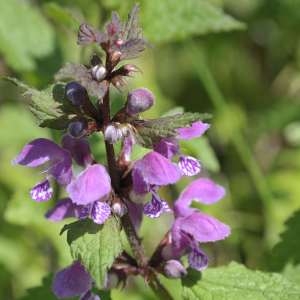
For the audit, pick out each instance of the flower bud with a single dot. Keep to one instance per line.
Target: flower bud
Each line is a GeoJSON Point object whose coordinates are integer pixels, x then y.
{"type": "Point", "coordinates": [99, 72]}
{"type": "Point", "coordinates": [77, 129]}
{"type": "Point", "coordinates": [76, 93]}
{"type": "Point", "coordinates": [130, 69]}
{"type": "Point", "coordinates": [174, 269]}
{"type": "Point", "coordinates": [139, 100]}
{"type": "Point", "coordinates": [113, 133]}
{"type": "Point", "coordinates": [119, 209]}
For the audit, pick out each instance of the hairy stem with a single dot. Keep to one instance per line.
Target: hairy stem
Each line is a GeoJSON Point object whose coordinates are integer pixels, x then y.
{"type": "Point", "coordinates": [133, 238]}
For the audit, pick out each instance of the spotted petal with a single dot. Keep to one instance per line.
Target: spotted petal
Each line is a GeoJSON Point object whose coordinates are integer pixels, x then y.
{"type": "Point", "coordinates": [155, 207]}
{"type": "Point", "coordinates": [100, 212]}
{"type": "Point", "coordinates": [42, 191]}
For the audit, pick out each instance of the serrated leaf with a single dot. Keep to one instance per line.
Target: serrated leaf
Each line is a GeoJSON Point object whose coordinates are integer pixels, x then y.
{"type": "Point", "coordinates": [48, 106]}
{"type": "Point", "coordinates": [151, 131]}
{"type": "Point", "coordinates": [24, 34]}
{"type": "Point", "coordinates": [82, 75]}
{"type": "Point", "coordinates": [171, 20]}
{"type": "Point", "coordinates": [287, 250]}
{"type": "Point", "coordinates": [239, 283]}
{"type": "Point", "coordinates": [96, 246]}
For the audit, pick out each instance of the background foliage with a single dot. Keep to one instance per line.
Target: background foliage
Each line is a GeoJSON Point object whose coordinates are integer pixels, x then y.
{"type": "Point", "coordinates": [246, 73]}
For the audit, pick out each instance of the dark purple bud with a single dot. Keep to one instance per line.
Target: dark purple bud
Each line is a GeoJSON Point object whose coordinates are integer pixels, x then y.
{"type": "Point", "coordinates": [139, 100]}
{"type": "Point", "coordinates": [77, 129]}
{"type": "Point", "coordinates": [99, 72]}
{"type": "Point", "coordinates": [174, 269]}
{"type": "Point", "coordinates": [76, 93]}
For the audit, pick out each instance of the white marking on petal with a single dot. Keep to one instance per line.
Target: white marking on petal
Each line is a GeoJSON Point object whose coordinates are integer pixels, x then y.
{"type": "Point", "coordinates": [189, 166]}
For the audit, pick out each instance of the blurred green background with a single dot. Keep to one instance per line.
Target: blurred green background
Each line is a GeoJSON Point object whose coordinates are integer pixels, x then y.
{"type": "Point", "coordinates": [247, 75]}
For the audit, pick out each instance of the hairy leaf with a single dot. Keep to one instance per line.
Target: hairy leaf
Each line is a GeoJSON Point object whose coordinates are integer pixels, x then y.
{"type": "Point", "coordinates": [170, 20]}
{"type": "Point", "coordinates": [48, 106]}
{"type": "Point", "coordinates": [24, 34]}
{"type": "Point", "coordinates": [287, 250]}
{"type": "Point", "coordinates": [151, 131]}
{"type": "Point", "coordinates": [82, 75]}
{"type": "Point", "coordinates": [96, 246]}
{"type": "Point", "coordinates": [239, 283]}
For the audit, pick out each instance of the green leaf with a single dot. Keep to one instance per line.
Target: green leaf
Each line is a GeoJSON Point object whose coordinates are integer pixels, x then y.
{"type": "Point", "coordinates": [236, 282]}
{"type": "Point", "coordinates": [171, 20]}
{"type": "Point", "coordinates": [48, 106]}
{"type": "Point", "coordinates": [82, 75]}
{"type": "Point", "coordinates": [96, 246]}
{"type": "Point", "coordinates": [151, 131]}
{"type": "Point", "coordinates": [287, 250]}
{"type": "Point", "coordinates": [24, 34]}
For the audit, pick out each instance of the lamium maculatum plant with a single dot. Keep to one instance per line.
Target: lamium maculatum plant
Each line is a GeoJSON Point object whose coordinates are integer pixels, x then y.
{"type": "Point", "coordinates": [107, 197]}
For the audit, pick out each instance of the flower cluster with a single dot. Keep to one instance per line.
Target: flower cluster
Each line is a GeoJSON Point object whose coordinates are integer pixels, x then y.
{"type": "Point", "coordinates": [123, 187]}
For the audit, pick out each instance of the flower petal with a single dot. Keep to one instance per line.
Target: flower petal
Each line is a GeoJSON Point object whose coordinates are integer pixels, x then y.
{"type": "Point", "coordinates": [189, 166]}
{"type": "Point", "coordinates": [100, 212]}
{"type": "Point", "coordinates": [198, 260]}
{"type": "Point", "coordinates": [79, 149]}
{"type": "Point", "coordinates": [157, 170]}
{"type": "Point", "coordinates": [202, 190]}
{"type": "Point", "coordinates": [167, 147]}
{"type": "Point", "coordinates": [40, 151]}
{"type": "Point", "coordinates": [155, 207]}
{"type": "Point", "coordinates": [90, 185]}
{"type": "Point", "coordinates": [71, 281]}
{"type": "Point", "coordinates": [63, 209]}
{"type": "Point", "coordinates": [203, 228]}
{"type": "Point", "coordinates": [42, 191]}
{"type": "Point", "coordinates": [140, 186]}
{"type": "Point", "coordinates": [196, 130]}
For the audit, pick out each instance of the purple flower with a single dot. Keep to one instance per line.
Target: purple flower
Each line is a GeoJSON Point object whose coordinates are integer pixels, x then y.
{"type": "Point", "coordinates": [98, 211]}
{"type": "Point", "coordinates": [197, 129]}
{"type": "Point", "coordinates": [90, 185]}
{"type": "Point", "coordinates": [149, 173]}
{"type": "Point", "coordinates": [79, 149]}
{"type": "Point", "coordinates": [153, 170]}
{"type": "Point", "coordinates": [72, 281]}
{"type": "Point", "coordinates": [192, 226]}
{"type": "Point", "coordinates": [56, 160]}
{"type": "Point", "coordinates": [42, 191]}
{"type": "Point", "coordinates": [188, 165]}
{"type": "Point", "coordinates": [169, 147]}
{"type": "Point", "coordinates": [63, 209]}
{"type": "Point", "coordinates": [155, 207]}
